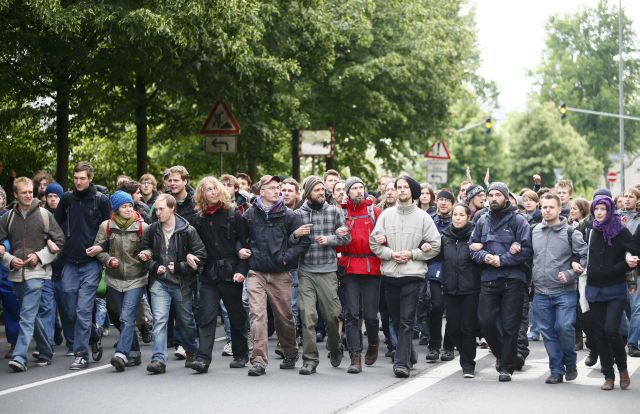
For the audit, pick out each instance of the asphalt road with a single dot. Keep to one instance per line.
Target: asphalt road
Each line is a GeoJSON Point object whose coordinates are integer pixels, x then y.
{"type": "Point", "coordinates": [437, 388]}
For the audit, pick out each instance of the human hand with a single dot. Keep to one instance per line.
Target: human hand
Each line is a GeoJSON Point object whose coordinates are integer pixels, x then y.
{"type": "Point", "coordinates": [171, 268]}
{"type": "Point", "coordinates": [577, 267]}
{"type": "Point", "coordinates": [244, 253]}
{"type": "Point", "coordinates": [93, 251]}
{"type": "Point", "coordinates": [53, 248]}
{"type": "Point", "coordinates": [302, 230]}
{"type": "Point", "coordinates": [562, 277]}
{"type": "Point", "coordinates": [380, 238]}
{"type": "Point", "coordinates": [161, 270]}
{"type": "Point", "coordinates": [322, 240]}
{"type": "Point", "coordinates": [342, 231]}
{"type": "Point", "coordinates": [238, 278]}
{"type": "Point", "coordinates": [144, 257]}
{"type": "Point", "coordinates": [32, 260]}
{"type": "Point", "coordinates": [192, 261]}
{"type": "Point", "coordinates": [475, 247]}
{"type": "Point", "coordinates": [515, 248]}
{"type": "Point", "coordinates": [426, 247]}
{"type": "Point", "coordinates": [113, 263]}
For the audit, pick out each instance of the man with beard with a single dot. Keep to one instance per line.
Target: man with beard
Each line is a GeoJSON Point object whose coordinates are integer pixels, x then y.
{"type": "Point", "coordinates": [475, 200]}
{"type": "Point", "coordinates": [362, 275]}
{"type": "Point", "coordinates": [318, 284]}
{"type": "Point", "coordinates": [504, 275]}
{"type": "Point", "coordinates": [404, 237]}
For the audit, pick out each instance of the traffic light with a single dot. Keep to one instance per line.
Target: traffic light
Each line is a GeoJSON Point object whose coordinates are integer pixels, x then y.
{"type": "Point", "coordinates": [487, 126]}
{"type": "Point", "coordinates": [563, 110]}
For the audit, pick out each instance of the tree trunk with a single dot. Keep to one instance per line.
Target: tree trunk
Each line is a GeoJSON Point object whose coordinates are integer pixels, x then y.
{"type": "Point", "coordinates": [295, 155]}
{"type": "Point", "coordinates": [62, 134]}
{"type": "Point", "coordinates": [142, 140]}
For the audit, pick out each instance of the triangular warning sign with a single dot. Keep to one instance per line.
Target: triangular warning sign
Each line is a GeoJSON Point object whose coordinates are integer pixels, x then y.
{"type": "Point", "coordinates": [438, 151]}
{"type": "Point", "coordinates": [220, 121]}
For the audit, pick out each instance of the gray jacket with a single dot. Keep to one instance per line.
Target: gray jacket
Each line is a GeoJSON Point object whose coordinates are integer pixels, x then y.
{"type": "Point", "coordinates": [552, 254]}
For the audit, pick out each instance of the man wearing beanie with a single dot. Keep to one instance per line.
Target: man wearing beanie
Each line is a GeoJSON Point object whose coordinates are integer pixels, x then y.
{"type": "Point", "coordinates": [404, 237]}
{"type": "Point", "coordinates": [504, 278]}
{"type": "Point", "coordinates": [361, 275]}
{"type": "Point", "coordinates": [317, 280]}
{"type": "Point", "coordinates": [475, 200]}
{"type": "Point", "coordinates": [431, 316]}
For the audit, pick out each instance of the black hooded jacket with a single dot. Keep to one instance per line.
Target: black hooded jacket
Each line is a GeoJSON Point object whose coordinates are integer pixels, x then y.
{"type": "Point", "coordinates": [460, 274]}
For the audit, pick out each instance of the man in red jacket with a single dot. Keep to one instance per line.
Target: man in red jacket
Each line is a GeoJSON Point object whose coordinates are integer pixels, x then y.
{"type": "Point", "coordinates": [362, 274]}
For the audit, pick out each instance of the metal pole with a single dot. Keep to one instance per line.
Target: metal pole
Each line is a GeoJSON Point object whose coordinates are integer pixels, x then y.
{"type": "Point", "coordinates": [609, 114]}
{"type": "Point", "coordinates": [221, 165]}
{"type": "Point", "coordinates": [621, 94]}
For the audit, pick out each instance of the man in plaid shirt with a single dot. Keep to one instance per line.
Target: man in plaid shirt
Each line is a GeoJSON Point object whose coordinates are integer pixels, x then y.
{"type": "Point", "coordinates": [318, 283]}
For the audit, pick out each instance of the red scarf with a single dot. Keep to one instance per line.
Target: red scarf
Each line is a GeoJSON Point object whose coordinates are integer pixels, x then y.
{"type": "Point", "coordinates": [211, 210]}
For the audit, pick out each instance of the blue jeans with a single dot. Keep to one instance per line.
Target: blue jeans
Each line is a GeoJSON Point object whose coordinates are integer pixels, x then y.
{"type": "Point", "coordinates": [10, 310]}
{"type": "Point", "coordinates": [162, 295]}
{"type": "Point", "coordinates": [47, 311]}
{"type": "Point", "coordinates": [28, 294]}
{"type": "Point", "coordinates": [294, 298]}
{"type": "Point", "coordinates": [79, 284]}
{"type": "Point", "coordinates": [126, 304]}
{"type": "Point", "coordinates": [634, 321]}
{"type": "Point", "coordinates": [66, 315]}
{"type": "Point", "coordinates": [556, 316]}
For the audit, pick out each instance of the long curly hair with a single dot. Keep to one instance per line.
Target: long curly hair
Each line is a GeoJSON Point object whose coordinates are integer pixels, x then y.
{"type": "Point", "coordinates": [200, 199]}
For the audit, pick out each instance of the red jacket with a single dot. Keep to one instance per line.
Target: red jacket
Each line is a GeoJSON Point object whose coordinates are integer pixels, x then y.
{"type": "Point", "coordinates": [357, 258]}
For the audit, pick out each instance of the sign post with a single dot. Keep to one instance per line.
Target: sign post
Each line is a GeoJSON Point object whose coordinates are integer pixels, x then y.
{"type": "Point", "coordinates": [437, 163]}
{"type": "Point", "coordinates": [220, 130]}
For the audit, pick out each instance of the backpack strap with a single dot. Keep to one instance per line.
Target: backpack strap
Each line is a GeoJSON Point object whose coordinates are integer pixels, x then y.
{"type": "Point", "coordinates": [371, 214]}
{"type": "Point", "coordinates": [10, 219]}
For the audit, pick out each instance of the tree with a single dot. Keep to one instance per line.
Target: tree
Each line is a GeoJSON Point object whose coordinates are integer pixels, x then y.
{"type": "Point", "coordinates": [540, 142]}
{"type": "Point", "coordinates": [580, 67]}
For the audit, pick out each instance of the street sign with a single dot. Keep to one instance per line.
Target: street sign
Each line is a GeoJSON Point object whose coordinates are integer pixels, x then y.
{"type": "Point", "coordinates": [220, 145]}
{"type": "Point", "coordinates": [612, 176]}
{"type": "Point", "coordinates": [437, 177]}
{"type": "Point", "coordinates": [438, 151]}
{"type": "Point", "coordinates": [220, 121]}
{"type": "Point", "coordinates": [316, 142]}
{"type": "Point", "coordinates": [437, 171]}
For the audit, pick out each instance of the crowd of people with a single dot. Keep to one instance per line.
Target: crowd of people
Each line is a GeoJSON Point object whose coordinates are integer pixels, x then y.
{"type": "Point", "coordinates": [318, 261]}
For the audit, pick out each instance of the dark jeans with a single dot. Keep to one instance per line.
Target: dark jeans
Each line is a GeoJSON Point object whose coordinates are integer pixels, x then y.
{"type": "Point", "coordinates": [502, 299]}
{"type": "Point", "coordinates": [606, 318]}
{"type": "Point", "coordinates": [402, 302]}
{"type": "Point", "coordinates": [231, 295]}
{"type": "Point", "coordinates": [361, 292]}
{"type": "Point", "coordinates": [523, 340]}
{"type": "Point", "coordinates": [462, 325]}
{"type": "Point", "coordinates": [435, 319]}
{"type": "Point", "coordinates": [387, 328]}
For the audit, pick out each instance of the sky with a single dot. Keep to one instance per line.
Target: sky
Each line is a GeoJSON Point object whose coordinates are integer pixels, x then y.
{"type": "Point", "coordinates": [511, 40]}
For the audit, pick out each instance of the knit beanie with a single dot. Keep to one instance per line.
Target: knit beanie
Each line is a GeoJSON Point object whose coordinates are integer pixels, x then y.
{"type": "Point", "coordinates": [308, 184]}
{"type": "Point", "coordinates": [502, 187]}
{"type": "Point", "coordinates": [413, 185]}
{"type": "Point", "coordinates": [446, 194]}
{"type": "Point", "coordinates": [472, 191]}
{"type": "Point", "coordinates": [602, 192]}
{"type": "Point", "coordinates": [54, 188]}
{"type": "Point", "coordinates": [350, 182]}
{"type": "Point", "coordinates": [119, 198]}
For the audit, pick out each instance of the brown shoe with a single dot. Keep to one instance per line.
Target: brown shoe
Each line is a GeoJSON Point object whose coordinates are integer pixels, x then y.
{"type": "Point", "coordinates": [625, 381]}
{"type": "Point", "coordinates": [608, 384]}
{"type": "Point", "coordinates": [372, 353]}
{"type": "Point", "coordinates": [356, 365]}
{"type": "Point", "coordinates": [191, 356]}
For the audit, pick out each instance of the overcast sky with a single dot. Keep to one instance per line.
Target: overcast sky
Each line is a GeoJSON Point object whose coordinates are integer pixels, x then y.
{"type": "Point", "coordinates": [511, 39]}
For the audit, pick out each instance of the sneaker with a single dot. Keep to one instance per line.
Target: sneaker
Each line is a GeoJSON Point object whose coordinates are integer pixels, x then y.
{"type": "Point", "coordinates": [105, 332]}
{"type": "Point", "coordinates": [307, 369]}
{"type": "Point", "coordinates": [483, 344]}
{"type": "Point", "coordinates": [504, 376]}
{"type": "Point", "coordinates": [200, 366]}
{"type": "Point", "coordinates": [468, 373]}
{"type": "Point", "coordinates": [43, 362]}
{"type": "Point", "coordinates": [133, 360]}
{"type": "Point", "coordinates": [79, 363]}
{"type": "Point", "coordinates": [227, 351]}
{"type": "Point", "coordinates": [553, 379]}
{"type": "Point", "coordinates": [401, 371]}
{"type": "Point", "coordinates": [180, 353]}
{"type": "Point", "coordinates": [634, 351]}
{"type": "Point", "coordinates": [424, 340]}
{"type": "Point", "coordinates": [35, 354]}
{"type": "Point", "coordinates": [96, 351]}
{"type": "Point", "coordinates": [118, 363]}
{"type": "Point", "coordinates": [17, 366]}
{"type": "Point", "coordinates": [279, 350]}
{"type": "Point", "coordinates": [432, 355]}
{"type": "Point", "coordinates": [239, 362]}
{"type": "Point", "coordinates": [69, 353]}
{"type": "Point", "coordinates": [571, 373]}
{"type": "Point", "coordinates": [156, 367]}
{"type": "Point", "coordinates": [289, 362]}
{"type": "Point", "coordinates": [447, 355]}
{"type": "Point", "coordinates": [190, 358]}
{"type": "Point", "coordinates": [533, 337]}
{"type": "Point", "coordinates": [256, 370]}
{"type": "Point", "coordinates": [336, 357]}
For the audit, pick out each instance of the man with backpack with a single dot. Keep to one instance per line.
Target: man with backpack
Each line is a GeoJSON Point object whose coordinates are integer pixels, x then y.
{"type": "Point", "coordinates": [79, 214]}
{"type": "Point", "coordinates": [504, 275]}
{"type": "Point", "coordinates": [28, 227]}
{"type": "Point", "coordinates": [555, 246]}
{"type": "Point", "coordinates": [361, 274]}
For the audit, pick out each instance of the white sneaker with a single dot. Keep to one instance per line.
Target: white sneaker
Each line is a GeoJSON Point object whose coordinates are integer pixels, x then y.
{"type": "Point", "coordinates": [180, 353]}
{"type": "Point", "coordinates": [227, 351]}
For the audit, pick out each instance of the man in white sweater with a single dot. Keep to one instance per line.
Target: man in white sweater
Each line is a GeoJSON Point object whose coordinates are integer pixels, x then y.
{"type": "Point", "coordinates": [404, 237]}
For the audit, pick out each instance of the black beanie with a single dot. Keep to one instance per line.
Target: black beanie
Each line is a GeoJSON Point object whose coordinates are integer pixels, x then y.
{"type": "Point", "coordinates": [446, 194]}
{"type": "Point", "coordinates": [413, 185]}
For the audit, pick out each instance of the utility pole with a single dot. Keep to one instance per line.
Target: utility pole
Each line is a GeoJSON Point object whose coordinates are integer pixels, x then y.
{"type": "Point", "coordinates": [621, 94]}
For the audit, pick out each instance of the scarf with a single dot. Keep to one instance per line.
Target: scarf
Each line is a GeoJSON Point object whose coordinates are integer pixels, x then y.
{"type": "Point", "coordinates": [271, 208]}
{"type": "Point", "coordinates": [123, 223]}
{"type": "Point", "coordinates": [611, 225]}
{"type": "Point", "coordinates": [211, 210]}
{"type": "Point", "coordinates": [463, 232]}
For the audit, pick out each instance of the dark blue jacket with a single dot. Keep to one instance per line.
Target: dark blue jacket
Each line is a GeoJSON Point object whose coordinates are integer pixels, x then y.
{"type": "Point", "coordinates": [79, 214]}
{"type": "Point", "coordinates": [434, 268]}
{"type": "Point", "coordinates": [494, 231]}
{"type": "Point", "coordinates": [273, 247]}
